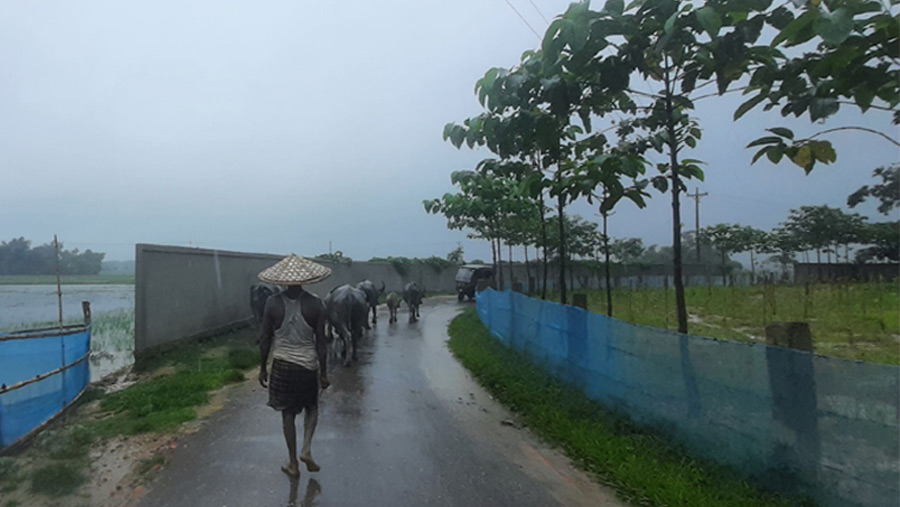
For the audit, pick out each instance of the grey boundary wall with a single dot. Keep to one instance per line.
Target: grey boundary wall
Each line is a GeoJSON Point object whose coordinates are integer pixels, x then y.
{"type": "Point", "coordinates": [185, 293]}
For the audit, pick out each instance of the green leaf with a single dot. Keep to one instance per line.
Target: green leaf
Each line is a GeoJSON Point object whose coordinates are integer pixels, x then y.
{"type": "Point", "coordinates": [457, 135]}
{"type": "Point", "coordinates": [758, 154]}
{"type": "Point", "coordinates": [695, 132]}
{"type": "Point", "coordinates": [614, 7]}
{"type": "Point", "coordinates": [864, 96]}
{"type": "Point", "coordinates": [750, 104]}
{"type": "Point", "coordinates": [804, 158]}
{"type": "Point", "coordinates": [710, 21]}
{"type": "Point", "coordinates": [660, 183]}
{"type": "Point", "coordinates": [669, 27]}
{"type": "Point", "coordinates": [765, 140]}
{"type": "Point", "coordinates": [822, 107]}
{"type": "Point", "coordinates": [774, 153]}
{"type": "Point", "coordinates": [690, 141]}
{"type": "Point", "coordinates": [783, 132]}
{"type": "Point", "coordinates": [823, 151]}
{"type": "Point", "coordinates": [834, 27]}
{"type": "Point", "coordinates": [798, 30]}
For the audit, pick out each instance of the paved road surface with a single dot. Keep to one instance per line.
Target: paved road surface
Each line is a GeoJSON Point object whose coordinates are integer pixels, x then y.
{"type": "Point", "coordinates": [405, 426]}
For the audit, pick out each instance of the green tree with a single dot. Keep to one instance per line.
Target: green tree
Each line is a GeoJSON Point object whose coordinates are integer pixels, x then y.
{"type": "Point", "coordinates": [883, 240]}
{"type": "Point", "coordinates": [887, 192]}
{"type": "Point", "coordinates": [835, 53]}
{"type": "Point", "coordinates": [456, 256]}
{"type": "Point", "coordinates": [727, 239]}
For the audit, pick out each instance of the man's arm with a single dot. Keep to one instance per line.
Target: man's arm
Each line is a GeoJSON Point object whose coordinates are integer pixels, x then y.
{"type": "Point", "coordinates": [265, 341]}
{"type": "Point", "coordinates": [321, 348]}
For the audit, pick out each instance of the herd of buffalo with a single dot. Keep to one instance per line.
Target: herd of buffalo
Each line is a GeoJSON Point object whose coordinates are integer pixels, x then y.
{"type": "Point", "coordinates": [347, 309]}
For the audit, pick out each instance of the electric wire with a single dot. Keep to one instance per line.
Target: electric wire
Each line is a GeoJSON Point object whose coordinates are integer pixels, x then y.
{"type": "Point", "coordinates": [511, 6]}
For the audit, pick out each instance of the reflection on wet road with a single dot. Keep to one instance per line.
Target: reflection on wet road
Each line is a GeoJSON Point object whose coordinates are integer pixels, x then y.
{"type": "Point", "coordinates": [406, 425]}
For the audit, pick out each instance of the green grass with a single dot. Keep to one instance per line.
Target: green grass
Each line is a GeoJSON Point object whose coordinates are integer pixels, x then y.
{"type": "Point", "coordinates": [853, 321]}
{"type": "Point", "coordinates": [57, 479]}
{"type": "Point", "coordinates": [641, 466]}
{"type": "Point", "coordinates": [163, 402]}
{"type": "Point", "coordinates": [67, 279]}
{"type": "Point", "coordinates": [10, 474]}
{"type": "Point", "coordinates": [175, 383]}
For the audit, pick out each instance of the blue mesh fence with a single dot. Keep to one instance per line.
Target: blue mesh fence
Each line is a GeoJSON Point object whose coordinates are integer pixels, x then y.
{"type": "Point", "coordinates": [41, 372]}
{"type": "Point", "coordinates": [818, 426]}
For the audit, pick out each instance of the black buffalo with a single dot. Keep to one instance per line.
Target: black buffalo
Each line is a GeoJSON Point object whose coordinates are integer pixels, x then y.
{"type": "Point", "coordinates": [259, 293]}
{"type": "Point", "coordinates": [372, 295]}
{"type": "Point", "coordinates": [345, 307]}
{"type": "Point", "coordinates": [413, 297]}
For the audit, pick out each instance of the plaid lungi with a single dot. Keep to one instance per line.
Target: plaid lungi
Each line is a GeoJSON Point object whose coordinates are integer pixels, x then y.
{"type": "Point", "coordinates": [292, 387]}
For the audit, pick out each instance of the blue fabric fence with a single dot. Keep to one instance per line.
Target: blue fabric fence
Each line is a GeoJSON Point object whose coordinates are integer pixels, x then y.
{"type": "Point", "coordinates": [41, 372]}
{"type": "Point", "coordinates": [814, 425]}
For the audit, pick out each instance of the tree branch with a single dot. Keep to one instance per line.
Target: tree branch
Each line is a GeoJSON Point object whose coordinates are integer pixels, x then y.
{"type": "Point", "coordinates": [853, 127]}
{"type": "Point", "coordinates": [882, 108]}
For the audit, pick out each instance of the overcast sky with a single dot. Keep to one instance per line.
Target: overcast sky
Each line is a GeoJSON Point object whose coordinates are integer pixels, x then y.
{"type": "Point", "coordinates": [280, 126]}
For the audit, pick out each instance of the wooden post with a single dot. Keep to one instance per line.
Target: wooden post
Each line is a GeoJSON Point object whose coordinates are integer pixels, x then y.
{"type": "Point", "coordinates": [58, 285]}
{"type": "Point", "coordinates": [579, 300]}
{"type": "Point", "coordinates": [86, 310]}
{"type": "Point", "coordinates": [792, 335]}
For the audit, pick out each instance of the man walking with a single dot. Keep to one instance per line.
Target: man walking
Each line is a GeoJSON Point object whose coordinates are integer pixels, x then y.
{"type": "Point", "coordinates": [293, 329]}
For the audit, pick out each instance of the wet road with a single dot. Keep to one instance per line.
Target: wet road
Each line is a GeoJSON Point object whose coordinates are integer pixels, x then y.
{"type": "Point", "coordinates": [406, 425]}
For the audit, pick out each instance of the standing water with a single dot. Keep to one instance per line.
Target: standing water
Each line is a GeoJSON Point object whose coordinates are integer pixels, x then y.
{"type": "Point", "coordinates": [112, 306]}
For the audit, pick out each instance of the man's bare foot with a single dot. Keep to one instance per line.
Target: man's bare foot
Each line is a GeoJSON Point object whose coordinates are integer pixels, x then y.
{"type": "Point", "coordinates": [292, 469]}
{"type": "Point", "coordinates": [311, 465]}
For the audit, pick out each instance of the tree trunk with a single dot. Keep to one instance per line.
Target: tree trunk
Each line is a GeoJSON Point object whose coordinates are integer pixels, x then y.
{"type": "Point", "coordinates": [509, 263]}
{"type": "Point", "coordinates": [609, 310]}
{"type": "Point", "coordinates": [681, 306]}
{"type": "Point", "coordinates": [500, 263]}
{"type": "Point", "coordinates": [752, 269]}
{"type": "Point", "coordinates": [493, 255]}
{"type": "Point", "coordinates": [724, 269]}
{"type": "Point", "coordinates": [819, 265]}
{"type": "Point", "coordinates": [544, 243]}
{"type": "Point", "coordinates": [527, 270]}
{"type": "Point", "coordinates": [560, 208]}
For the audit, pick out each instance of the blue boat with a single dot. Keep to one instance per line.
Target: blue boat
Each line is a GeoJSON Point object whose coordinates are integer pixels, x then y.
{"type": "Point", "coordinates": [42, 371]}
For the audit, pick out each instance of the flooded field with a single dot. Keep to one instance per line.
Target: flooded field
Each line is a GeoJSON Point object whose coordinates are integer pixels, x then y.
{"type": "Point", "coordinates": [112, 338]}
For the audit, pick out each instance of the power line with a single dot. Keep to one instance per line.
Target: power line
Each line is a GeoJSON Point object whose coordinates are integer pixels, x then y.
{"type": "Point", "coordinates": [541, 14]}
{"type": "Point", "coordinates": [511, 6]}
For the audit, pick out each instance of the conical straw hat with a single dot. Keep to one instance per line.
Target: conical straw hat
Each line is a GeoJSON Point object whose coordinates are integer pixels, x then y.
{"type": "Point", "coordinates": [295, 270]}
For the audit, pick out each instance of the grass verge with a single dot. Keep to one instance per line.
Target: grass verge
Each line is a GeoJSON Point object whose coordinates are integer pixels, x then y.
{"type": "Point", "coordinates": [641, 466]}
{"type": "Point", "coordinates": [170, 387]}
{"type": "Point", "coordinates": [849, 320]}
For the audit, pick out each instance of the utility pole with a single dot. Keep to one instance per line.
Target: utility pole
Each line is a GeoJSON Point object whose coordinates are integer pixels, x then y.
{"type": "Point", "coordinates": [696, 196]}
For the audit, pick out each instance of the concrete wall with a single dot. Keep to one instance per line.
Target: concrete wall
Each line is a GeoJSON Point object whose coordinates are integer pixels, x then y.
{"type": "Point", "coordinates": [812, 272]}
{"type": "Point", "coordinates": [183, 292]}
{"type": "Point", "coordinates": [186, 292]}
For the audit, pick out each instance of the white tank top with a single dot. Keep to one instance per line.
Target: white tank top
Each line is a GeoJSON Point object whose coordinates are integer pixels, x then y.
{"type": "Point", "coordinates": [295, 340]}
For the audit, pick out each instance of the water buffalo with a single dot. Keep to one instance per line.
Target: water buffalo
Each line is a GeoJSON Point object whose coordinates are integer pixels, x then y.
{"type": "Point", "coordinates": [393, 302]}
{"type": "Point", "coordinates": [345, 308]}
{"type": "Point", "coordinates": [372, 295]}
{"type": "Point", "coordinates": [413, 297]}
{"type": "Point", "coordinates": [259, 293]}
